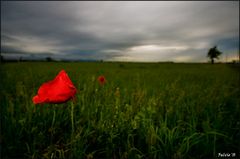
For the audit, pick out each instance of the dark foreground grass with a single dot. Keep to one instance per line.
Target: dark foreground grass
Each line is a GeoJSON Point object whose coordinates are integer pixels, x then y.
{"type": "Point", "coordinates": [143, 111]}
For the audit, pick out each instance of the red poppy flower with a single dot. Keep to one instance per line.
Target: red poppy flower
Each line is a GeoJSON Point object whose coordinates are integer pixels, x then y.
{"type": "Point", "coordinates": [59, 90]}
{"type": "Point", "coordinates": [101, 80]}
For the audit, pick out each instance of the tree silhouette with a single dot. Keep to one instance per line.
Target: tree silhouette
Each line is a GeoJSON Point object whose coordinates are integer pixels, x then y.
{"type": "Point", "coordinates": [1, 58]}
{"type": "Point", "coordinates": [49, 59]}
{"type": "Point", "coordinates": [213, 53]}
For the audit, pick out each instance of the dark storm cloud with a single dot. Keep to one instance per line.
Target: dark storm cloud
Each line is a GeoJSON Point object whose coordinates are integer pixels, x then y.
{"type": "Point", "coordinates": [135, 31]}
{"type": "Point", "coordinates": [229, 43]}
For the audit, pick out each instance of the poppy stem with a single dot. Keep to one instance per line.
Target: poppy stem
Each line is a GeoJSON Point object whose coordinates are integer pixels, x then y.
{"type": "Point", "coordinates": [54, 115]}
{"type": "Point", "coordinates": [72, 119]}
{"type": "Point", "coordinates": [53, 121]}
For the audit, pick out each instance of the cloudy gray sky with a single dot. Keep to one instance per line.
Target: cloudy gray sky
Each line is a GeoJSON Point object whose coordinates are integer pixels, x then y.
{"type": "Point", "coordinates": [120, 31]}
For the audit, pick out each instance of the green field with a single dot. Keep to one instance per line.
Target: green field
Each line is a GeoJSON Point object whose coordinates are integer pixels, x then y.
{"type": "Point", "coordinates": [145, 110]}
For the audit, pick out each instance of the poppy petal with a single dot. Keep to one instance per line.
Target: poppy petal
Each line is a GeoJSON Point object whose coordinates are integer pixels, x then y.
{"type": "Point", "coordinates": [59, 90]}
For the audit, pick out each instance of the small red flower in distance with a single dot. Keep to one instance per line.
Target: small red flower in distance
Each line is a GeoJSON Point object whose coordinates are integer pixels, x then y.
{"type": "Point", "coordinates": [101, 80]}
{"type": "Point", "coordinates": [59, 90]}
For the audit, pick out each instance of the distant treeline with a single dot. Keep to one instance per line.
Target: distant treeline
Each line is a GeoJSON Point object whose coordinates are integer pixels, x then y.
{"type": "Point", "coordinates": [49, 59]}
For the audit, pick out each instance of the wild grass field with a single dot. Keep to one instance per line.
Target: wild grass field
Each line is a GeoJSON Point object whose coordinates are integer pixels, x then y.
{"type": "Point", "coordinates": [144, 110]}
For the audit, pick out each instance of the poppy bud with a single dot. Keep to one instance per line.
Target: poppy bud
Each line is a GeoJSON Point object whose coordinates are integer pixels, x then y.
{"type": "Point", "coordinates": [101, 80]}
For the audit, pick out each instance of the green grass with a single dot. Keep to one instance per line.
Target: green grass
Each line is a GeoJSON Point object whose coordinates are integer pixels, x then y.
{"type": "Point", "coordinates": [145, 110]}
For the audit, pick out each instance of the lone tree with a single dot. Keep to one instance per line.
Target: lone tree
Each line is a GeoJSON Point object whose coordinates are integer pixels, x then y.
{"type": "Point", "coordinates": [213, 53]}
{"type": "Point", "coordinates": [49, 59]}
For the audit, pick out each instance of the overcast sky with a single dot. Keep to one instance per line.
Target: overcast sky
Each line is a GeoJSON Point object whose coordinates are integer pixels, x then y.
{"type": "Point", "coordinates": [120, 31]}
